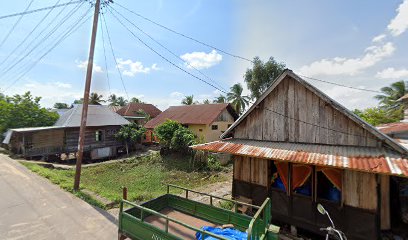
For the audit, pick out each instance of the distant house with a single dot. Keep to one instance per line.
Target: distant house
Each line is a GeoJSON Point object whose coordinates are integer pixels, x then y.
{"type": "Point", "coordinates": [139, 113]}
{"type": "Point", "coordinates": [102, 125]}
{"type": "Point", "coordinates": [207, 121]}
{"type": "Point", "coordinates": [299, 147]}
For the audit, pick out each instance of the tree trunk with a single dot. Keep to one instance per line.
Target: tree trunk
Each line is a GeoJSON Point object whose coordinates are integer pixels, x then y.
{"type": "Point", "coordinates": [127, 149]}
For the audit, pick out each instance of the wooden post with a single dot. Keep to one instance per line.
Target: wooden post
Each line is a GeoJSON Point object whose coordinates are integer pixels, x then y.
{"type": "Point", "coordinates": [84, 115]}
{"type": "Point", "coordinates": [125, 190]}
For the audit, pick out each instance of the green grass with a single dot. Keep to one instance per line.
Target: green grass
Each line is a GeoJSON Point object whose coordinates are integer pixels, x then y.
{"type": "Point", "coordinates": [144, 177]}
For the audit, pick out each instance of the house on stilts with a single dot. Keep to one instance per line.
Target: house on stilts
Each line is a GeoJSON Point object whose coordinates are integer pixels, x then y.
{"type": "Point", "coordinates": [299, 147]}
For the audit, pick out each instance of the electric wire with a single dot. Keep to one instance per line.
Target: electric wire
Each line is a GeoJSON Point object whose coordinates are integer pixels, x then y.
{"type": "Point", "coordinates": [15, 25]}
{"type": "Point", "coordinates": [104, 54]}
{"type": "Point", "coordinates": [264, 108]}
{"type": "Point", "coordinates": [38, 10]}
{"type": "Point", "coordinates": [73, 28]}
{"type": "Point", "coordinates": [29, 34]}
{"type": "Point", "coordinates": [114, 56]}
{"type": "Point", "coordinates": [230, 54]}
{"type": "Point", "coordinates": [166, 48]}
{"type": "Point", "coordinates": [183, 35]}
{"type": "Point", "coordinates": [42, 41]}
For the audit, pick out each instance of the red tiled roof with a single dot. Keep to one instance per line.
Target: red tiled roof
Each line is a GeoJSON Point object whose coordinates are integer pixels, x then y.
{"type": "Point", "coordinates": [390, 128]}
{"type": "Point", "coordinates": [131, 110]}
{"type": "Point", "coordinates": [191, 114]}
{"type": "Point", "coordinates": [365, 159]}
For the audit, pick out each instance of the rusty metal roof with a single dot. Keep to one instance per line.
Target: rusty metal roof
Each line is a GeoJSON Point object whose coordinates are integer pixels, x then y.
{"type": "Point", "coordinates": [366, 159]}
{"type": "Point", "coordinates": [390, 128]}
{"type": "Point", "coordinates": [133, 110]}
{"type": "Point", "coordinates": [192, 114]}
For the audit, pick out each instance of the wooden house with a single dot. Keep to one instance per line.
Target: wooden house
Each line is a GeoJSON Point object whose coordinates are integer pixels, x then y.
{"type": "Point", "coordinates": [62, 138]}
{"type": "Point", "coordinates": [299, 147]}
{"type": "Point", "coordinates": [207, 121]}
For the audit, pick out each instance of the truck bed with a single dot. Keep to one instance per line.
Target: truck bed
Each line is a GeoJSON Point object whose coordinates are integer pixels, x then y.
{"type": "Point", "coordinates": [177, 229]}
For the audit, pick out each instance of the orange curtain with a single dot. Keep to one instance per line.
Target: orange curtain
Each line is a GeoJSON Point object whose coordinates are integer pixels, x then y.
{"type": "Point", "coordinates": [300, 173]}
{"type": "Point", "coordinates": [334, 175]}
{"type": "Point", "coordinates": [283, 171]}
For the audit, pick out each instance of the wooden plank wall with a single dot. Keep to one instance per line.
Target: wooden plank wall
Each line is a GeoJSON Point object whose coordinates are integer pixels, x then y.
{"type": "Point", "coordinates": [72, 134]}
{"type": "Point", "coordinates": [360, 190]}
{"type": "Point", "coordinates": [48, 138]}
{"type": "Point", "coordinates": [251, 170]}
{"type": "Point", "coordinates": [292, 99]}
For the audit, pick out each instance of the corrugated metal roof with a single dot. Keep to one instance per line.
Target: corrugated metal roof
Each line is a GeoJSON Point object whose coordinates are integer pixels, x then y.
{"type": "Point", "coordinates": [366, 159]}
{"type": "Point", "coordinates": [191, 114]}
{"type": "Point", "coordinates": [132, 109]}
{"type": "Point", "coordinates": [98, 115]}
{"type": "Point", "coordinates": [390, 128]}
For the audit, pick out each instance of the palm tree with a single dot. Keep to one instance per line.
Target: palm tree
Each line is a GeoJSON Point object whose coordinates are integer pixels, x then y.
{"type": "Point", "coordinates": [188, 100]}
{"type": "Point", "coordinates": [392, 94]}
{"type": "Point", "coordinates": [120, 101]}
{"type": "Point", "coordinates": [95, 99]}
{"type": "Point", "coordinates": [220, 99]}
{"type": "Point", "coordinates": [206, 101]}
{"type": "Point", "coordinates": [113, 100]}
{"type": "Point", "coordinates": [235, 97]}
{"type": "Point", "coordinates": [135, 100]}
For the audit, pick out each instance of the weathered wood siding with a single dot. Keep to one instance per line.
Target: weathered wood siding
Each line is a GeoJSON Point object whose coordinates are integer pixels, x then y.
{"type": "Point", "coordinates": [360, 190]}
{"type": "Point", "coordinates": [72, 134]}
{"type": "Point", "coordinates": [225, 116]}
{"type": "Point", "coordinates": [49, 138]}
{"type": "Point", "coordinates": [316, 116]}
{"type": "Point", "coordinates": [252, 170]}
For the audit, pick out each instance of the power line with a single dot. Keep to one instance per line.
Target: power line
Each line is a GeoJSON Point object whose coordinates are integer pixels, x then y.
{"type": "Point", "coordinates": [43, 40]}
{"type": "Point", "coordinates": [28, 35]}
{"type": "Point", "coordinates": [341, 85]}
{"type": "Point", "coordinates": [15, 25]}
{"type": "Point", "coordinates": [164, 58]}
{"type": "Point", "coordinates": [38, 10]}
{"type": "Point", "coordinates": [114, 56]}
{"type": "Point", "coordinates": [75, 26]}
{"type": "Point", "coordinates": [183, 35]}
{"type": "Point", "coordinates": [264, 108]}
{"type": "Point", "coordinates": [104, 54]}
{"type": "Point", "coordinates": [166, 48]}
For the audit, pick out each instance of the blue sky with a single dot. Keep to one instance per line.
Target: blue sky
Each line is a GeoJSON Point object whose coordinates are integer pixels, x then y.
{"type": "Point", "coordinates": [361, 44]}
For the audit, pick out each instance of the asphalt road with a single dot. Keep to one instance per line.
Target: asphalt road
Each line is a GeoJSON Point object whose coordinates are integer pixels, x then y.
{"type": "Point", "coordinates": [33, 208]}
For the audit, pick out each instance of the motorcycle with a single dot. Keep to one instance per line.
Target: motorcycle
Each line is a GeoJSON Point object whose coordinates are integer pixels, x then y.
{"type": "Point", "coordinates": [331, 230]}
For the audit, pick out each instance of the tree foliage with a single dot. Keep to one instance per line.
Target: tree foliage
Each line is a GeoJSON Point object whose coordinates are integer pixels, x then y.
{"type": "Point", "coordinates": [236, 99]}
{"type": "Point", "coordinates": [188, 100]}
{"type": "Point", "coordinates": [262, 74]}
{"type": "Point", "coordinates": [391, 94]}
{"type": "Point", "coordinates": [220, 99]}
{"type": "Point", "coordinates": [377, 115]}
{"type": "Point", "coordinates": [59, 105]}
{"type": "Point", "coordinates": [206, 101]}
{"type": "Point", "coordinates": [130, 134]}
{"type": "Point", "coordinates": [24, 111]}
{"type": "Point", "coordinates": [135, 100]}
{"type": "Point", "coordinates": [174, 136]}
{"type": "Point", "coordinates": [96, 99]}
{"type": "Point", "coordinates": [116, 101]}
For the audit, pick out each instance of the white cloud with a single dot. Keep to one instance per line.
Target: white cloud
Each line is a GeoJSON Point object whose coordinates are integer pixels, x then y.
{"type": "Point", "coordinates": [84, 65]}
{"type": "Point", "coordinates": [202, 60]}
{"type": "Point", "coordinates": [399, 24]}
{"type": "Point", "coordinates": [379, 38]}
{"type": "Point", "coordinates": [349, 66]}
{"type": "Point", "coordinates": [62, 85]}
{"type": "Point", "coordinates": [176, 95]}
{"type": "Point", "coordinates": [392, 73]}
{"type": "Point", "coordinates": [130, 68]}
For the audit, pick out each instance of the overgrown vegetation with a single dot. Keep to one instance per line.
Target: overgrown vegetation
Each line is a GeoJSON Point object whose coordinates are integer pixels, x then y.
{"type": "Point", "coordinates": [130, 134]}
{"type": "Point", "coordinates": [145, 177]}
{"type": "Point", "coordinates": [174, 136]}
{"type": "Point", "coordinates": [23, 111]}
{"type": "Point", "coordinates": [376, 115]}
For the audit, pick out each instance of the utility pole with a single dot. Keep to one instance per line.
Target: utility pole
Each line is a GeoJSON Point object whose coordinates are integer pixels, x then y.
{"type": "Point", "coordinates": [84, 115]}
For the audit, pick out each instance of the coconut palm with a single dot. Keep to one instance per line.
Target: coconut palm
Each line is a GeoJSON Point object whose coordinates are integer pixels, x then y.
{"type": "Point", "coordinates": [121, 101]}
{"type": "Point", "coordinates": [188, 100]}
{"type": "Point", "coordinates": [220, 99]}
{"type": "Point", "coordinates": [206, 101]}
{"type": "Point", "coordinates": [95, 99]}
{"type": "Point", "coordinates": [391, 94]}
{"type": "Point", "coordinates": [235, 97]}
{"type": "Point", "coordinates": [113, 99]}
{"type": "Point", "coordinates": [135, 100]}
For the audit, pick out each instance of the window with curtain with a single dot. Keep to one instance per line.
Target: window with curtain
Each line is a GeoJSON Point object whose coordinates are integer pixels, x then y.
{"type": "Point", "coordinates": [302, 179]}
{"type": "Point", "coordinates": [279, 175]}
{"type": "Point", "coordinates": [329, 183]}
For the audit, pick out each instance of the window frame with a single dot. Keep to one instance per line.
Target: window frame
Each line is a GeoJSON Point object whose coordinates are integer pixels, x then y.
{"type": "Point", "coordinates": [214, 127]}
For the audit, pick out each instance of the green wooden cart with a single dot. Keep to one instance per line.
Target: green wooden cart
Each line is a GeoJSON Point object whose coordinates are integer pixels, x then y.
{"type": "Point", "coordinates": [175, 217]}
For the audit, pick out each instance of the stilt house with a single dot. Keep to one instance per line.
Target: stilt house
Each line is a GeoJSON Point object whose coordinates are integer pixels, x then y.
{"type": "Point", "coordinates": [299, 147]}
